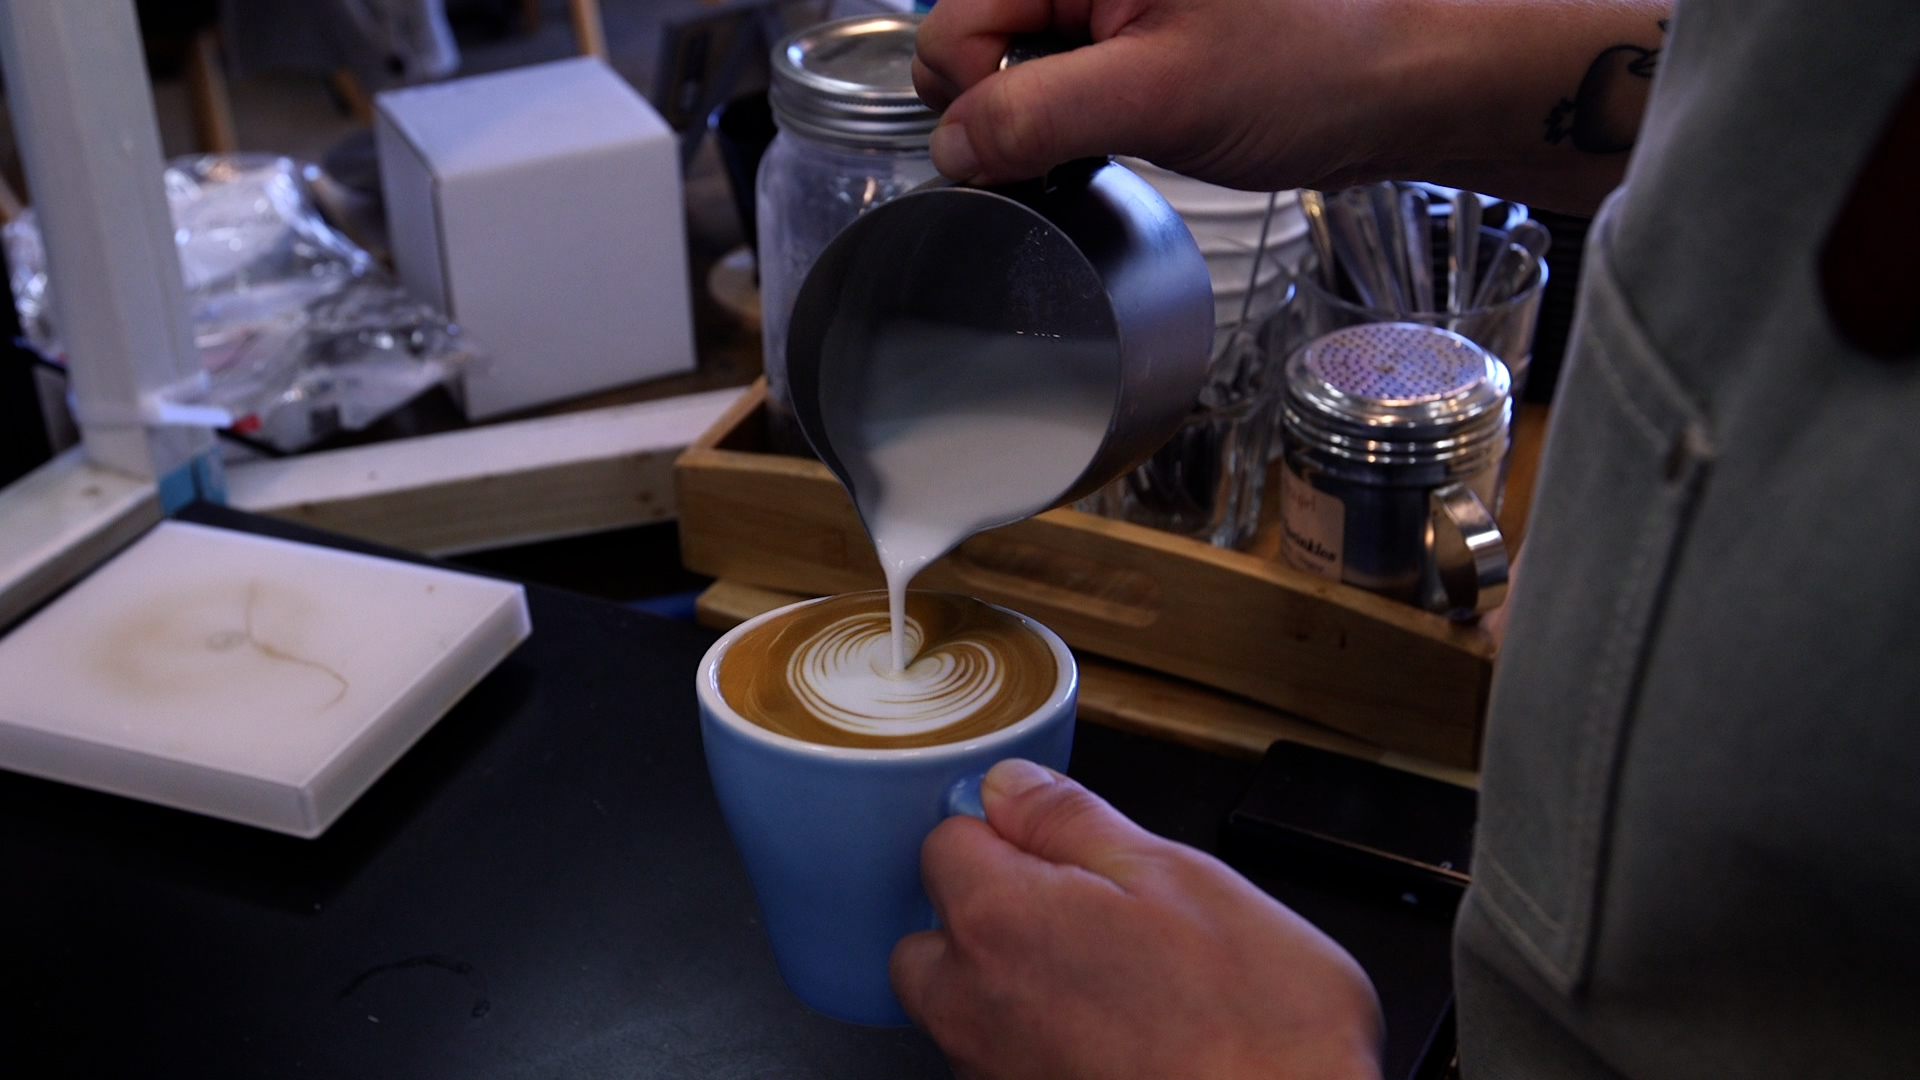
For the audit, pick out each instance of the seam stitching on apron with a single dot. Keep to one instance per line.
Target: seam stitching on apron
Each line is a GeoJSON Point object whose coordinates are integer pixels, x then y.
{"type": "Point", "coordinates": [1629, 407]}
{"type": "Point", "coordinates": [1520, 893]}
{"type": "Point", "coordinates": [1628, 342]}
{"type": "Point", "coordinates": [1600, 748]}
{"type": "Point", "coordinates": [1550, 969]}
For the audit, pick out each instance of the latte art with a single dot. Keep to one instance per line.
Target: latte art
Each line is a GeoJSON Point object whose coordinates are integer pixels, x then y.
{"type": "Point", "coordinates": [825, 673]}
{"type": "Point", "coordinates": [845, 677]}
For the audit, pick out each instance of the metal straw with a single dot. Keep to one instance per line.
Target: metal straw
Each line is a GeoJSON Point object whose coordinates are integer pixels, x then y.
{"type": "Point", "coordinates": [1351, 246]}
{"type": "Point", "coordinates": [1259, 252]}
{"type": "Point", "coordinates": [1314, 205]}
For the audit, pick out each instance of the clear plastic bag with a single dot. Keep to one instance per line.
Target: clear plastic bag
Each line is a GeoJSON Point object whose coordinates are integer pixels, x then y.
{"type": "Point", "coordinates": [300, 333]}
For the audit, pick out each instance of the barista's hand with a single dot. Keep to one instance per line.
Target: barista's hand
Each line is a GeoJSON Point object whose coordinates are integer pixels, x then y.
{"type": "Point", "coordinates": [1269, 94]}
{"type": "Point", "coordinates": [1076, 944]}
{"type": "Point", "coordinates": [1190, 84]}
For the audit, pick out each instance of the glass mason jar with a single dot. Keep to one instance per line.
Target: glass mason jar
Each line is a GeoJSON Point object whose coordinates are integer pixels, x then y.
{"type": "Point", "coordinates": [853, 134]}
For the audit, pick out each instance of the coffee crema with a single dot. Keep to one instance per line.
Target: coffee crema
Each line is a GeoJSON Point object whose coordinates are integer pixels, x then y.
{"type": "Point", "coordinates": [825, 673]}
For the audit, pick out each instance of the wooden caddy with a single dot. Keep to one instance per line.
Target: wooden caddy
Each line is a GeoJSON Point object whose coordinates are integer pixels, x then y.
{"type": "Point", "coordinates": [1366, 675]}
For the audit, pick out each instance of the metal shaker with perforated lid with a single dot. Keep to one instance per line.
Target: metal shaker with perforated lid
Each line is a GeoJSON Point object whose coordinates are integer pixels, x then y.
{"type": "Point", "coordinates": [1394, 436]}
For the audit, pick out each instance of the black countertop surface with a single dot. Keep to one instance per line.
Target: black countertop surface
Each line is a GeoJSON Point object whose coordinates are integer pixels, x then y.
{"type": "Point", "coordinates": [542, 886]}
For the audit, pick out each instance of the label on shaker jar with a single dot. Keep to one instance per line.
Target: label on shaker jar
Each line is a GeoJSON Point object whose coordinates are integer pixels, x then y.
{"type": "Point", "coordinates": [1313, 526]}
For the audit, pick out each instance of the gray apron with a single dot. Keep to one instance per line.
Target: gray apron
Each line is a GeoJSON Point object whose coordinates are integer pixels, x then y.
{"type": "Point", "coordinates": [1700, 829]}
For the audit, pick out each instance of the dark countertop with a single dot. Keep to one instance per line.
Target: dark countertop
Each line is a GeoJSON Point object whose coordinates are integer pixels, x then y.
{"type": "Point", "coordinates": [543, 886]}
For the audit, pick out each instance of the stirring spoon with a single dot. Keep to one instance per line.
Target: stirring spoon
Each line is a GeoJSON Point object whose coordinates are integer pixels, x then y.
{"type": "Point", "coordinates": [1512, 267]}
{"type": "Point", "coordinates": [1417, 225]}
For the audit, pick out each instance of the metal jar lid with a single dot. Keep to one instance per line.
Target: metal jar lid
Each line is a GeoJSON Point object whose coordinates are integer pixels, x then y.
{"type": "Point", "coordinates": [1397, 393]}
{"type": "Point", "coordinates": [850, 82]}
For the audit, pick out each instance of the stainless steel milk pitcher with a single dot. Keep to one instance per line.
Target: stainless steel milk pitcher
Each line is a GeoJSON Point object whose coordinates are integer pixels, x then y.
{"type": "Point", "coordinates": [1089, 255]}
{"type": "Point", "coordinates": [1394, 435]}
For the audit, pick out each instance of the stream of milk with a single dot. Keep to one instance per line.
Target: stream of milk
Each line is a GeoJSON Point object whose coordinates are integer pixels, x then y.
{"type": "Point", "coordinates": [947, 430]}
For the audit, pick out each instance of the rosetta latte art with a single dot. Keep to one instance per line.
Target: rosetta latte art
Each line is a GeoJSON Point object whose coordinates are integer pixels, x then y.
{"type": "Point", "coordinates": [824, 673]}
{"type": "Point", "coordinates": [845, 677]}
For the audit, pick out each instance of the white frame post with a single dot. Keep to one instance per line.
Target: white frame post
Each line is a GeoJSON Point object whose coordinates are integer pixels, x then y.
{"type": "Point", "coordinates": [83, 113]}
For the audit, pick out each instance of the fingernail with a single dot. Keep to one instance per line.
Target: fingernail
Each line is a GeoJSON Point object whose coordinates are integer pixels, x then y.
{"type": "Point", "coordinates": [953, 152]}
{"type": "Point", "coordinates": [1013, 777]}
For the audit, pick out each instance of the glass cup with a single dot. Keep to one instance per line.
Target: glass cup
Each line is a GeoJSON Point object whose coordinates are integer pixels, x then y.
{"type": "Point", "coordinates": [1207, 482]}
{"type": "Point", "coordinates": [1504, 329]}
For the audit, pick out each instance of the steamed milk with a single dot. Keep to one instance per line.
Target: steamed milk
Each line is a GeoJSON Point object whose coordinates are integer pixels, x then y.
{"type": "Point", "coordinates": [949, 430]}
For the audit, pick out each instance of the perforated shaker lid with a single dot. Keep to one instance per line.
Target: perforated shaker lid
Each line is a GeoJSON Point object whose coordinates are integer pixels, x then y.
{"type": "Point", "coordinates": [1409, 388]}
{"type": "Point", "coordinates": [850, 81]}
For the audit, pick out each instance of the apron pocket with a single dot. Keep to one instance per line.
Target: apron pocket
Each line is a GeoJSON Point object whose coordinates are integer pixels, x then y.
{"type": "Point", "coordinates": [1625, 460]}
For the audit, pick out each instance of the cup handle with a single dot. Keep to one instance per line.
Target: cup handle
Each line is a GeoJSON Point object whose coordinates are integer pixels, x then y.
{"type": "Point", "coordinates": [963, 797]}
{"type": "Point", "coordinates": [1468, 551]}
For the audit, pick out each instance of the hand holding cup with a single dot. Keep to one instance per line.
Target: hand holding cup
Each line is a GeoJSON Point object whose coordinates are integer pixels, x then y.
{"type": "Point", "coordinates": [1074, 943]}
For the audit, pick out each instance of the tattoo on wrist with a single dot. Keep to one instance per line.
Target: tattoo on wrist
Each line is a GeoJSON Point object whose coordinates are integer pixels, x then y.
{"type": "Point", "coordinates": [1603, 115]}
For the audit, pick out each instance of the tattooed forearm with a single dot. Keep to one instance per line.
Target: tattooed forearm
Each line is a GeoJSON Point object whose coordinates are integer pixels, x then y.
{"type": "Point", "coordinates": [1603, 115]}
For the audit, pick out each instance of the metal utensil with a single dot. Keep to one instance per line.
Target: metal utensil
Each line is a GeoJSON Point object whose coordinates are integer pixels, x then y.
{"type": "Point", "coordinates": [1463, 250]}
{"type": "Point", "coordinates": [1363, 250]}
{"type": "Point", "coordinates": [1313, 204]}
{"type": "Point", "coordinates": [1417, 226]}
{"type": "Point", "coordinates": [1355, 256]}
{"type": "Point", "coordinates": [1384, 200]}
{"type": "Point", "coordinates": [1531, 236]}
{"type": "Point", "coordinates": [1259, 253]}
{"type": "Point", "coordinates": [1526, 244]}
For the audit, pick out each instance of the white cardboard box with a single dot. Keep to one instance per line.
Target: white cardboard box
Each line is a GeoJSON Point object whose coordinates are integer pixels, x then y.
{"type": "Point", "coordinates": [541, 208]}
{"type": "Point", "coordinates": [252, 679]}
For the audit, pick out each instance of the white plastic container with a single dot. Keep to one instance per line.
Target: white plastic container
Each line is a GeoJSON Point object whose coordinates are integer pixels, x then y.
{"type": "Point", "coordinates": [1226, 223]}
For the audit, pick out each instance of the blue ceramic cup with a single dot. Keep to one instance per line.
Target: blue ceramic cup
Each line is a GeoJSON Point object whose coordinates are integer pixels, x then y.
{"type": "Point", "coordinates": [831, 835]}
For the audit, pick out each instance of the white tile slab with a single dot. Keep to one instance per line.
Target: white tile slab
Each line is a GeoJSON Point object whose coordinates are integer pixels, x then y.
{"type": "Point", "coordinates": [248, 678]}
